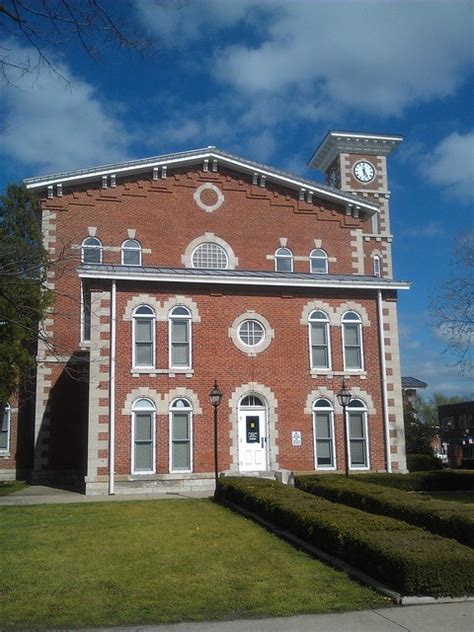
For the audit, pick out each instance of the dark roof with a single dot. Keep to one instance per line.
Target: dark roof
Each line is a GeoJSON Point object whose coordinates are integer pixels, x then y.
{"type": "Point", "coordinates": [110, 270]}
{"type": "Point", "coordinates": [412, 382]}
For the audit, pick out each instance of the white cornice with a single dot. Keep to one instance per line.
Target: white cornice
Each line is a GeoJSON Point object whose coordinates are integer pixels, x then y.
{"type": "Point", "coordinates": [199, 156]}
{"type": "Point", "coordinates": [337, 142]}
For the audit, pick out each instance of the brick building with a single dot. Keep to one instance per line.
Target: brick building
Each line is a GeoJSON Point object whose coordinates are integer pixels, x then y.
{"type": "Point", "coordinates": [177, 270]}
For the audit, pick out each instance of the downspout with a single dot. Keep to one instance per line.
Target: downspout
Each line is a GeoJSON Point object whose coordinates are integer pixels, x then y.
{"type": "Point", "coordinates": [384, 382]}
{"type": "Point", "coordinates": [113, 323]}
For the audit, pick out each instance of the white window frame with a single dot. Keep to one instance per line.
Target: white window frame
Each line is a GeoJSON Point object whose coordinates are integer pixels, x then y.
{"type": "Point", "coordinates": [318, 257]}
{"type": "Point", "coordinates": [124, 249]}
{"type": "Point", "coordinates": [215, 245]}
{"type": "Point", "coordinates": [188, 319]}
{"type": "Point", "coordinates": [328, 338]}
{"type": "Point", "coordinates": [261, 342]}
{"type": "Point", "coordinates": [151, 316]}
{"type": "Point", "coordinates": [360, 409]}
{"type": "Point", "coordinates": [189, 410]}
{"type": "Point", "coordinates": [361, 340]}
{"type": "Point", "coordinates": [7, 412]}
{"type": "Point", "coordinates": [326, 409]}
{"type": "Point", "coordinates": [98, 246]}
{"type": "Point", "coordinates": [377, 266]}
{"type": "Point", "coordinates": [151, 409]}
{"type": "Point", "coordinates": [279, 256]}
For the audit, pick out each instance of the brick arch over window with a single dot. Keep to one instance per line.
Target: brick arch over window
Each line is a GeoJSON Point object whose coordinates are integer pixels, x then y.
{"type": "Point", "coordinates": [141, 299]}
{"type": "Point", "coordinates": [175, 301]}
{"type": "Point", "coordinates": [272, 421]}
{"type": "Point", "coordinates": [178, 393]}
{"type": "Point", "coordinates": [143, 392]}
{"type": "Point", "coordinates": [325, 393]}
{"type": "Point", "coordinates": [322, 306]}
{"type": "Point", "coordinates": [209, 238]}
{"type": "Point", "coordinates": [351, 306]}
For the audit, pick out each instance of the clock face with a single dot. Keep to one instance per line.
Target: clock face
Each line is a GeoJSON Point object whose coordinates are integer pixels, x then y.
{"type": "Point", "coordinates": [332, 177]}
{"type": "Point", "coordinates": [364, 171]}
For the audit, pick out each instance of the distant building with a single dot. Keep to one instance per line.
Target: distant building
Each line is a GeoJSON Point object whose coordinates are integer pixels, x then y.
{"type": "Point", "coordinates": [457, 431]}
{"type": "Point", "coordinates": [410, 388]}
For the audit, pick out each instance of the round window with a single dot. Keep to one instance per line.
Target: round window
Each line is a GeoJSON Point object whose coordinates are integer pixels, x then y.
{"type": "Point", "coordinates": [251, 333]}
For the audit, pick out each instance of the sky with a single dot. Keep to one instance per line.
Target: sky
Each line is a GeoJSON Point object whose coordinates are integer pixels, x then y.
{"type": "Point", "coordinates": [267, 79]}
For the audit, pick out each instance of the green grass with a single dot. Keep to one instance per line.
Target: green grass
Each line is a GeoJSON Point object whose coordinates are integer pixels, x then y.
{"type": "Point", "coordinates": [154, 562]}
{"type": "Point", "coordinates": [8, 487]}
{"type": "Point", "coordinates": [466, 497]}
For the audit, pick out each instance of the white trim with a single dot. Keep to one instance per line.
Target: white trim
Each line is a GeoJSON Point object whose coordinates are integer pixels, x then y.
{"type": "Point", "coordinates": [99, 247]}
{"type": "Point", "coordinates": [209, 208]}
{"type": "Point", "coordinates": [8, 411]}
{"type": "Point", "coordinates": [312, 257]}
{"type": "Point", "coordinates": [151, 410]}
{"type": "Point", "coordinates": [189, 320]}
{"type": "Point", "coordinates": [330, 410]}
{"type": "Point", "coordinates": [366, 435]}
{"type": "Point", "coordinates": [152, 317]}
{"type": "Point", "coordinates": [190, 412]}
{"type": "Point", "coordinates": [261, 411]}
{"type": "Point", "coordinates": [383, 368]}
{"type": "Point", "coordinates": [361, 341]}
{"type": "Point", "coordinates": [327, 322]}
{"type": "Point", "coordinates": [244, 280]}
{"type": "Point", "coordinates": [83, 340]}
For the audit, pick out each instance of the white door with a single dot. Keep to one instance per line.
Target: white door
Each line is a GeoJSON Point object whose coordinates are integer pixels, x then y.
{"type": "Point", "coordinates": [252, 441]}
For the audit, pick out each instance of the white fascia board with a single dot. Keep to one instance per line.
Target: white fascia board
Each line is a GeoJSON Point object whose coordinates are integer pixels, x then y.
{"type": "Point", "coordinates": [248, 168]}
{"type": "Point", "coordinates": [388, 137]}
{"type": "Point", "coordinates": [254, 281]}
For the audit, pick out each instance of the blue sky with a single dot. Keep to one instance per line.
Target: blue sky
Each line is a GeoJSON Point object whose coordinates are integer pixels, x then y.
{"type": "Point", "coordinates": [267, 79]}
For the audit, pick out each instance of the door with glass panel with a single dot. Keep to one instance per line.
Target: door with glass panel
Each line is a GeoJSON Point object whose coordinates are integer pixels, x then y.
{"type": "Point", "coordinates": [252, 435]}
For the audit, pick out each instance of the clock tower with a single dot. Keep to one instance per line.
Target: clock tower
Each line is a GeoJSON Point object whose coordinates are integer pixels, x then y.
{"type": "Point", "coordinates": [357, 163]}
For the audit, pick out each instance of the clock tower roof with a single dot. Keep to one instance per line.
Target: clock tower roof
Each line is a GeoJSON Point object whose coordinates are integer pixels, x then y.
{"type": "Point", "coordinates": [336, 142]}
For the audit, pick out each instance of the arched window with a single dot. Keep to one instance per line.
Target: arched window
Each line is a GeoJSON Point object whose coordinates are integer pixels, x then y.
{"type": "Point", "coordinates": [5, 421]}
{"type": "Point", "coordinates": [352, 341]}
{"type": "Point", "coordinates": [376, 266]}
{"type": "Point", "coordinates": [143, 437]}
{"type": "Point", "coordinates": [181, 456]}
{"type": "Point", "coordinates": [318, 261]}
{"type": "Point", "coordinates": [284, 260]}
{"type": "Point", "coordinates": [92, 250]}
{"type": "Point", "coordinates": [252, 400]}
{"type": "Point", "coordinates": [180, 338]}
{"type": "Point", "coordinates": [357, 427]}
{"type": "Point", "coordinates": [323, 432]}
{"type": "Point", "coordinates": [210, 256]}
{"type": "Point", "coordinates": [144, 337]}
{"type": "Point", "coordinates": [319, 341]}
{"type": "Point", "coordinates": [131, 253]}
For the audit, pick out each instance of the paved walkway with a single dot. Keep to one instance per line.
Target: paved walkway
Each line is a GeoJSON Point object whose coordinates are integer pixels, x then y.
{"type": "Point", "coordinates": [42, 495]}
{"type": "Point", "coordinates": [450, 617]}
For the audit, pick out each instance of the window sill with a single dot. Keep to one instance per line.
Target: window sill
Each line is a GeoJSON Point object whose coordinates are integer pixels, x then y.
{"type": "Point", "coordinates": [155, 372]}
{"type": "Point", "coordinates": [330, 374]}
{"type": "Point", "coordinates": [5, 455]}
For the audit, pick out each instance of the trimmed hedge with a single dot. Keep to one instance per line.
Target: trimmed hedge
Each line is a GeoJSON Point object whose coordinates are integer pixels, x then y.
{"type": "Point", "coordinates": [438, 516]}
{"type": "Point", "coordinates": [406, 558]}
{"type": "Point", "coordinates": [442, 481]}
{"type": "Point", "coordinates": [423, 463]}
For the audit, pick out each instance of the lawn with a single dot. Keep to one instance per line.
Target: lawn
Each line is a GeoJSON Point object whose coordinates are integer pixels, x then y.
{"type": "Point", "coordinates": [8, 487]}
{"type": "Point", "coordinates": [154, 562]}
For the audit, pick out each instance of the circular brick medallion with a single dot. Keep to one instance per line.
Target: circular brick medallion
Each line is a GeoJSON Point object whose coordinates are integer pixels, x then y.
{"type": "Point", "coordinates": [209, 197]}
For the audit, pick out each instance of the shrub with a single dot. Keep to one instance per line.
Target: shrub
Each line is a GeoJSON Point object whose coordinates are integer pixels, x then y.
{"type": "Point", "coordinates": [423, 463]}
{"type": "Point", "coordinates": [444, 480]}
{"type": "Point", "coordinates": [410, 560]}
{"type": "Point", "coordinates": [437, 516]}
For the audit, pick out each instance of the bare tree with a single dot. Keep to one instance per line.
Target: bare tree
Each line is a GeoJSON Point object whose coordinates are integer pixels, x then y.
{"type": "Point", "coordinates": [43, 25]}
{"type": "Point", "coordinates": [452, 309]}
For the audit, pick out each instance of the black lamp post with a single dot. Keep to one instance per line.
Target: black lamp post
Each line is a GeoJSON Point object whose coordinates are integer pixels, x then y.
{"type": "Point", "coordinates": [215, 397]}
{"type": "Point", "coordinates": [344, 397]}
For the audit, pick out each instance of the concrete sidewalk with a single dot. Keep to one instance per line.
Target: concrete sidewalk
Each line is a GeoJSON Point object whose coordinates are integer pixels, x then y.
{"type": "Point", "coordinates": [43, 495]}
{"type": "Point", "coordinates": [450, 617]}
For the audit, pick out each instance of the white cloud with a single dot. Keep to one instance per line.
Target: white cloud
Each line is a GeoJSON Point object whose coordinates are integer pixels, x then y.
{"type": "Point", "coordinates": [428, 230]}
{"type": "Point", "coordinates": [451, 165]}
{"type": "Point", "coordinates": [377, 57]}
{"type": "Point", "coordinates": [53, 126]}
